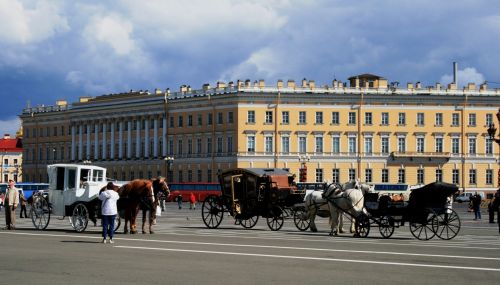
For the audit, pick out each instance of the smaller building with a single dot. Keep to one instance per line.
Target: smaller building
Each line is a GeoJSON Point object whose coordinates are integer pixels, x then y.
{"type": "Point", "coordinates": [11, 152]}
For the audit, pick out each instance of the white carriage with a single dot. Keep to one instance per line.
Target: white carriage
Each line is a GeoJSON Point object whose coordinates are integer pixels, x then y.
{"type": "Point", "coordinates": [73, 192]}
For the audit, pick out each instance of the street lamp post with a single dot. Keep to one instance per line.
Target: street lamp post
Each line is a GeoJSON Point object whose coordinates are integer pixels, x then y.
{"type": "Point", "coordinates": [168, 167]}
{"type": "Point", "coordinates": [492, 132]}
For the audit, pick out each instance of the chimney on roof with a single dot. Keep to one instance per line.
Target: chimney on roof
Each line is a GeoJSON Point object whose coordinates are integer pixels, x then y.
{"type": "Point", "coordinates": [280, 83]}
{"type": "Point", "coordinates": [312, 84]}
{"type": "Point", "coordinates": [304, 83]}
{"type": "Point", "coordinates": [290, 83]}
{"type": "Point", "coordinates": [455, 73]}
{"type": "Point", "coordinates": [6, 136]}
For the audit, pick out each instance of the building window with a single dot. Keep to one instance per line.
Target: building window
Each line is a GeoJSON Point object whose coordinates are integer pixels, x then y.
{"type": "Point", "coordinates": [352, 145]}
{"type": "Point", "coordinates": [401, 144]}
{"type": "Point", "coordinates": [489, 119]}
{"type": "Point", "coordinates": [180, 177]}
{"type": "Point", "coordinates": [319, 118]}
{"type": "Point", "coordinates": [368, 175]}
{"type": "Point", "coordinates": [199, 175]}
{"type": "Point", "coordinates": [219, 145]}
{"type": "Point", "coordinates": [420, 119]}
{"type": "Point", "coordinates": [285, 117]}
{"type": "Point", "coordinates": [385, 175]}
{"type": "Point", "coordinates": [200, 119]}
{"type": "Point", "coordinates": [455, 119]}
{"type": "Point", "coordinates": [489, 146]}
{"type": "Point", "coordinates": [229, 144]}
{"type": "Point", "coordinates": [401, 176]}
{"type": "Point", "coordinates": [179, 147]}
{"type": "Point", "coordinates": [420, 145]}
{"type": "Point", "coordinates": [251, 117]}
{"type": "Point", "coordinates": [368, 145]}
{"type": "Point", "coordinates": [472, 176]}
{"type": "Point", "coordinates": [489, 176]}
{"type": "Point", "coordinates": [319, 175]}
{"type": "Point", "coordinates": [455, 176]}
{"type": "Point", "coordinates": [180, 121]}
{"type": "Point", "coordinates": [455, 145]}
{"type": "Point", "coordinates": [420, 176]}
{"type": "Point", "coordinates": [352, 174]}
{"type": "Point", "coordinates": [190, 121]}
{"type": "Point", "coordinates": [385, 119]}
{"type": "Point", "coordinates": [335, 118]}
{"type": "Point", "coordinates": [209, 146]}
{"type": "Point", "coordinates": [269, 117]}
{"type": "Point", "coordinates": [198, 145]}
{"type": "Point", "coordinates": [209, 175]}
{"type": "Point", "coordinates": [336, 175]}
{"type": "Point", "coordinates": [268, 144]}
{"type": "Point", "coordinates": [220, 118]}
{"type": "Point", "coordinates": [190, 146]}
{"type": "Point", "coordinates": [439, 119]}
{"type": "Point", "coordinates": [439, 145]}
{"type": "Point", "coordinates": [210, 119]}
{"type": "Point", "coordinates": [170, 122]}
{"type": "Point", "coordinates": [336, 144]}
{"type": "Point", "coordinates": [302, 144]}
{"type": "Point", "coordinates": [230, 117]}
{"type": "Point", "coordinates": [352, 118]}
{"type": "Point", "coordinates": [251, 143]}
{"type": "Point", "coordinates": [472, 145]}
{"type": "Point", "coordinates": [285, 145]}
{"type": "Point", "coordinates": [302, 117]}
{"type": "Point", "coordinates": [472, 120]}
{"type": "Point", "coordinates": [190, 176]}
{"type": "Point", "coordinates": [384, 145]}
{"type": "Point", "coordinates": [319, 144]}
{"type": "Point", "coordinates": [401, 119]}
{"type": "Point", "coordinates": [439, 175]}
{"type": "Point", "coordinates": [368, 118]}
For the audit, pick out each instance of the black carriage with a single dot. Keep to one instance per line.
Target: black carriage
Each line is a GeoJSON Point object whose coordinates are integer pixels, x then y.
{"type": "Point", "coordinates": [250, 193]}
{"type": "Point", "coordinates": [428, 212]}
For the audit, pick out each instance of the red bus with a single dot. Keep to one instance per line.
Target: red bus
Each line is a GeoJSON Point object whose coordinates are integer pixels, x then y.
{"type": "Point", "coordinates": [200, 190]}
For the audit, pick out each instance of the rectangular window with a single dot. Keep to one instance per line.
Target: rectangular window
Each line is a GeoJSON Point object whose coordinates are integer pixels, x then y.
{"type": "Point", "coordinates": [170, 122]}
{"type": "Point", "coordinates": [401, 119]}
{"type": "Point", "coordinates": [319, 144]}
{"type": "Point", "coordinates": [269, 117]}
{"type": "Point", "coordinates": [229, 144]}
{"type": "Point", "coordinates": [180, 177]}
{"type": "Point", "coordinates": [302, 144]}
{"type": "Point", "coordinates": [368, 175]}
{"type": "Point", "coordinates": [401, 176]}
{"type": "Point", "coordinates": [179, 147]}
{"type": "Point", "coordinates": [401, 144]}
{"type": "Point", "coordinates": [251, 117]}
{"type": "Point", "coordinates": [336, 175]}
{"type": "Point", "coordinates": [420, 145]}
{"type": "Point", "coordinates": [269, 144]}
{"type": "Point", "coordinates": [472, 120]}
{"type": "Point", "coordinates": [335, 118]}
{"type": "Point", "coordinates": [190, 121]}
{"type": "Point", "coordinates": [200, 119]}
{"type": "Point", "coordinates": [285, 117]}
{"type": "Point", "coordinates": [489, 176]}
{"type": "Point", "coordinates": [352, 118]}
{"type": "Point", "coordinates": [198, 146]}
{"type": "Point", "coordinates": [319, 118]}
{"type": "Point", "coordinates": [180, 121]}
{"type": "Point", "coordinates": [209, 175]}
{"type": "Point", "coordinates": [285, 145]}
{"type": "Point", "coordinates": [420, 119]}
{"type": "Point", "coordinates": [385, 118]}
{"type": "Point", "coordinates": [439, 145]}
{"type": "Point", "coordinates": [302, 117]}
{"type": "Point", "coordinates": [455, 119]}
{"type": "Point", "coordinates": [210, 119]}
{"type": "Point", "coordinates": [489, 119]}
{"type": "Point", "coordinates": [472, 145]}
{"type": "Point", "coordinates": [352, 174]}
{"type": "Point", "coordinates": [319, 175]}
{"type": "Point", "coordinates": [472, 176]}
{"type": "Point", "coordinates": [336, 144]}
{"type": "Point", "coordinates": [439, 175]}
{"type": "Point", "coordinates": [455, 176]}
{"type": "Point", "coordinates": [220, 116]}
{"type": "Point", "coordinates": [455, 145]}
{"type": "Point", "coordinates": [368, 118]}
{"type": "Point", "coordinates": [199, 174]}
{"type": "Point", "coordinates": [385, 175]}
{"type": "Point", "coordinates": [230, 117]}
{"type": "Point", "coordinates": [420, 176]}
{"type": "Point", "coordinates": [251, 143]}
{"type": "Point", "coordinates": [368, 145]}
{"type": "Point", "coordinates": [219, 145]}
{"type": "Point", "coordinates": [209, 146]}
{"type": "Point", "coordinates": [352, 145]}
{"type": "Point", "coordinates": [489, 146]}
{"type": "Point", "coordinates": [384, 145]}
{"type": "Point", "coordinates": [439, 119]}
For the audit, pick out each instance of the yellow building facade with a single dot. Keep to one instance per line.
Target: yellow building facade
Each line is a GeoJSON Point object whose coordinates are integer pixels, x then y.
{"type": "Point", "coordinates": [368, 130]}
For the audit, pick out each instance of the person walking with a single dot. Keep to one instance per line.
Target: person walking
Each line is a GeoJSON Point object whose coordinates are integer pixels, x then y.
{"type": "Point", "coordinates": [476, 206]}
{"type": "Point", "coordinates": [109, 197]}
{"type": "Point", "coordinates": [23, 202]}
{"type": "Point", "coordinates": [192, 201]}
{"type": "Point", "coordinates": [11, 202]}
{"type": "Point", "coordinates": [179, 201]}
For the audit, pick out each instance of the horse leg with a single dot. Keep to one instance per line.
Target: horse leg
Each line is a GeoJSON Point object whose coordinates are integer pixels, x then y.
{"type": "Point", "coordinates": [353, 225]}
{"type": "Point", "coordinates": [133, 225]}
{"type": "Point", "coordinates": [334, 219]}
{"type": "Point", "coordinates": [152, 217]}
{"type": "Point", "coordinates": [144, 212]}
{"type": "Point", "coordinates": [341, 224]}
{"type": "Point", "coordinates": [312, 219]}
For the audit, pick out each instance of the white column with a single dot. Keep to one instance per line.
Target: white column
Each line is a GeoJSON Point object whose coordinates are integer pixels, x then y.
{"type": "Point", "coordinates": [164, 137]}
{"type": "Point", "coordinates": [138, 138]}
{"type": "Point", "coordinates": [112, 140]}
{"type": "Point", "coordinates": [87, 154]}
{"type": "Point", "coordinates": [155, 138]}
{"type": "Point", "coordinates": [146, 138]}
{"type": "Point", "coordinates": [96, 141]}
{"type": "Point", "coordinates": [73, 142]}
{"type": "Point", "coordinates": [104, 142]}
{"type": "Point", "coordinates": [80, 141]}
{"type": "Point", "coordinates": [120, 140]}
{"type": "Point", "coordinates": [129, 139]}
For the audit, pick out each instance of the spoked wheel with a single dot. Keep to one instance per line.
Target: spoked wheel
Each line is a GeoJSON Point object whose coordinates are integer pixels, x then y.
{"type": "Point", "coordinates": [446, 225]}
{"type": "Point", "coordinates": [249, 223]}
{"type": "Point", "coordinates": [386, 226]}
{"type": "Point", "coordinates": [212, 212]}
{"type": "Point", "coordinates": [422, 230]}
{"type": "Point", "coordinates": [362, 226]}
{"type": "Point", "coordinates": [118, 222]}
{"type": "Point", "coordinates": [80, 218]}
{"type": "Point", "coordinates": [40, 213]}
{"type": "Point", "coordinates": [276, 219]}
{"type": "Point", "coordinates": [300, 219]}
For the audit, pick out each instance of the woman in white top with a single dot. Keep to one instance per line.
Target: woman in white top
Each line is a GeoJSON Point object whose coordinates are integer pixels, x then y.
{"type": "Point", "coordinates": [109, 197]}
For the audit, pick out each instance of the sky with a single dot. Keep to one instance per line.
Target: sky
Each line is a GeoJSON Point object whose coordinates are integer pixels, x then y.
{"type": "Point", "coordinates": [55, 49]}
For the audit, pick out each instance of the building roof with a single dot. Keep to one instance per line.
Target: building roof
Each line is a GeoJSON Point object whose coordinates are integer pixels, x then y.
{"type": "Point", "coordinates": [365, 76]}
{"type": "Point", "coordinates": [11, 145]}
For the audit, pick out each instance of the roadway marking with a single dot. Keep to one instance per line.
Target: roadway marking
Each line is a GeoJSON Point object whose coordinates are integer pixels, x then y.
{"type": "Point", "coordinates": [314, 258]}
{"type": "Point", "coordinates": [266, 246]}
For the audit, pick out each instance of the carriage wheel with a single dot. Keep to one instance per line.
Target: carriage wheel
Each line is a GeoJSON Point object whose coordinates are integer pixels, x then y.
{"type": "Point", "coordinates": [276, 221]}
{"type": "Point", "coordinates": [362, 226]}
{"type": "Point", "coordinates": [212, 211]}
{"type": "Point", "coordinates": [446, 226]}
{"type": "Point", "coordinates": [422, 230]}
{"type": "Point", "coordinates": [249, 223]}
{"type": "Point", "coordinates": [386, 226]}
{"type": "Point", "coordinates": [40, 213]}
{"type": "Point", "coordinates": [118, 222]}
{"type": "Point", "coordinates": [300, 219]}
{"type": "Point", "coordinates": [80, 218]}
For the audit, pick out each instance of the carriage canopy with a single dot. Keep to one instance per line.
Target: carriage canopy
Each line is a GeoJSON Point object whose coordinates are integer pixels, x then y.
{"type": "Point", "coordinates": [432, 195]}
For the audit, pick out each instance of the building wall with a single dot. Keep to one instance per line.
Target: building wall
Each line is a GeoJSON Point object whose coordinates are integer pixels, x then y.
{"type": "Point", "coordinates": [201, 150]}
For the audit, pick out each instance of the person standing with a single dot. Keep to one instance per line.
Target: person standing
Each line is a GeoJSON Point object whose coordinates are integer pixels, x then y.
{"type": "Point", "coordinates": [496, 206]}
{"type": "Point", "coordinates": [179, 201]}
{"type": "Point", "coordinates": [109, 197]}
{"type": "Point", "coordinates": [476, 206]}
{"type": "Point", "coordinates": [11, 202]}
{"type": "Point", "coordinates": [192, 201]}
{"type": "Point", "coordinates": [23, 202]}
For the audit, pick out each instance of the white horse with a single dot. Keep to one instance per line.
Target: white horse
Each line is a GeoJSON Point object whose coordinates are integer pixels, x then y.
{"type": "Point", "coordinates": [316, 205]}
{"type": "Point", "coordinates": [350, 201]}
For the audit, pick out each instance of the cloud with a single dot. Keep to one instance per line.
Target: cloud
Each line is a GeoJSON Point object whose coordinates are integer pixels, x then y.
{"type": "Point", "coordinates": [20, 24]}
{"type": "Point", "coordinates": [10, 126]}
{"type": "Point", "coordinates": [111, 30]}
{"type": "Point", "coordinates": [464, 76]}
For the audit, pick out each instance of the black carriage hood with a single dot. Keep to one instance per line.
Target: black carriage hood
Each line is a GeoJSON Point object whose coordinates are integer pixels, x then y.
{"type": "Point", "coordinates": [433, 194]}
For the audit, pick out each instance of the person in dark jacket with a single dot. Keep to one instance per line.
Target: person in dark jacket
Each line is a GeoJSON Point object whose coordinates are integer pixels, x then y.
{"type": "Point", "coordinates": [476, 206]}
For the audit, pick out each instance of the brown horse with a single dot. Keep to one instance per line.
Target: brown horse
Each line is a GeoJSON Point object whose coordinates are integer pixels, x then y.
{"type": "Point", "coordinates": [140, 194]}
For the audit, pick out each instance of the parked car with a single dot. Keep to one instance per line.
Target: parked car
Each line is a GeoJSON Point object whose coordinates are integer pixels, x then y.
{"type": "Point", "coordinates": [465, 197]}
